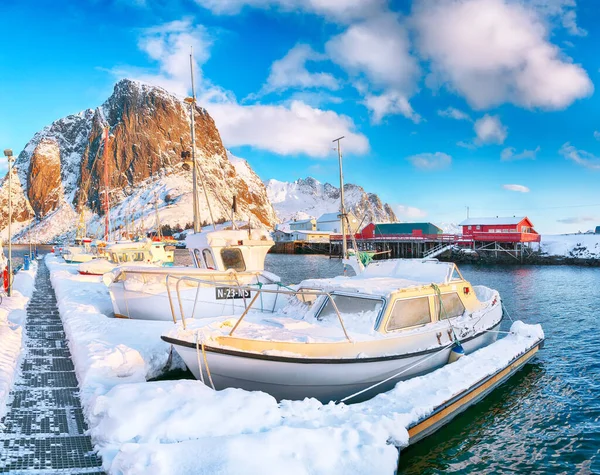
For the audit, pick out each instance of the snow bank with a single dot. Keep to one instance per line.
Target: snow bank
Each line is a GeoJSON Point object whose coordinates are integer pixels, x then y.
{"type": "Point", "coordinates": [12, 318]}
{"type": "Point", "coordinates": [106, 351]}
{"type": "Point", "coordinates": [577, 246]}
{"type": "Point", "coordinates": [184, 427]}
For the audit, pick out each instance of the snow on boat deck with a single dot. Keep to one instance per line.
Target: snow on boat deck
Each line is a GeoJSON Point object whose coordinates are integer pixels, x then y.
{"type": "Point", "coordinates": [184, 427]}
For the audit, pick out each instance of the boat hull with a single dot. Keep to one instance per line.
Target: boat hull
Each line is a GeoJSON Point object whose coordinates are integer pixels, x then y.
{"type": "Point", "coordinates": [148, 305]}
{"type": "Point", "coordinates": [326, 380]}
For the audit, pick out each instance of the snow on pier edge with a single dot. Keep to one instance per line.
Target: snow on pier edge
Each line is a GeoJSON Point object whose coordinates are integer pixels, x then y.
{"type": "Point", "coordinates": [12, 320]}
{"type": "Point", "coordinates": [182, 426]}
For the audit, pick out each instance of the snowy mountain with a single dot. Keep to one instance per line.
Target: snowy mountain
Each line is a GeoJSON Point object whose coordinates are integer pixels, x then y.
{"type": "Point", "coordinates": [308, 197]}
{"type": "Point", "coordinates": [62, 168]}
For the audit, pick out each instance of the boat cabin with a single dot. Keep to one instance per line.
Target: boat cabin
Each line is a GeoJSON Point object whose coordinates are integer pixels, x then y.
{"type": "Point", "coordinates": [395, 295]}
{"type": "Point", "coordinates": [238, 250]}
{"type": "Point", "coordinates": [140, 251]}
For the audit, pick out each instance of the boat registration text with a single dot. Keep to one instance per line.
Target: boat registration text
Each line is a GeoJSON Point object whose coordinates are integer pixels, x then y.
{"type": "Point", "coordinates": [224, 293]}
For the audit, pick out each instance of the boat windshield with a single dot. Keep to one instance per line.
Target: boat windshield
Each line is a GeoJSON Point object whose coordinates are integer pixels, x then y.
{"type": "Point", "coordinates": [354, 306]}
{"type": "Point", "coordinates": [233, 259]}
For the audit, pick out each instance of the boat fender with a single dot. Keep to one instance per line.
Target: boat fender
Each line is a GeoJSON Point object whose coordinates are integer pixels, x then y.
{"type": "Point", "coordinates": [5, 278]}
{"type": "Point", "coordinates": [456, 353]}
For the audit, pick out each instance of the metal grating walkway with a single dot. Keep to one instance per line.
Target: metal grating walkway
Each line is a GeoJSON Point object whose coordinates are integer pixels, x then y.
{"type": "Point", "coordinates": [44, 429]}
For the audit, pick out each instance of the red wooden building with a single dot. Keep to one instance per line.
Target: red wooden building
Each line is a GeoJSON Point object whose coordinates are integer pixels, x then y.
{"type": "Point", "coordinates": [500, 229]}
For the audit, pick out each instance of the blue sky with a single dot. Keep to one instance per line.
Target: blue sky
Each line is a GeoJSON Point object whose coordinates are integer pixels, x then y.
{"type": "Point", "coordinates": [444, 103]}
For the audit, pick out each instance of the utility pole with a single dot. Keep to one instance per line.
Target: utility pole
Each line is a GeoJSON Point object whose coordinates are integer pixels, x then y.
{"type": "Point", "coordinates": [342, 204]}
{"type": "Point", "coordinates": [9, 156]}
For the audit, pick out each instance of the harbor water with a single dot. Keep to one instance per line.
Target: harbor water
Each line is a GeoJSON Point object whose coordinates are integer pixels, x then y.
{"type": "Point", "coordinates": [546, 419]}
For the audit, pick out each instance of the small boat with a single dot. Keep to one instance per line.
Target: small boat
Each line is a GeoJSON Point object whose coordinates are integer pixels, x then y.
{"type": "Point", "coordinates": [345, 336]}
{"type": "Point", "coordinates": [79, 253]}
{"type": "Point", "coordinates": [223, 260]}
{"type": "Point", "coordinates": [145, 252]}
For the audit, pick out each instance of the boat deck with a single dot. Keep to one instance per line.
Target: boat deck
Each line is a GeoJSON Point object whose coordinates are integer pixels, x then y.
{"type": "Point", "coordinates": [44, 428]}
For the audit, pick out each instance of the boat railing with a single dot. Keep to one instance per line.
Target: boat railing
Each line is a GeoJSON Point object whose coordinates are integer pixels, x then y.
{"type": "Point", "coordinates": [242, 289]}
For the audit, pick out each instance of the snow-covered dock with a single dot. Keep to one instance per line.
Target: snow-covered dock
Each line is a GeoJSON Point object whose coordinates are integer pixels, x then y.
{"type": "Point", "coordinates": [184, 427]}
{"type": "Point", "coordinates": [44, 428]}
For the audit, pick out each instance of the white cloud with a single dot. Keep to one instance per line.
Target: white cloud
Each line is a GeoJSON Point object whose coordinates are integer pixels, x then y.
{"type": "Point", "coordinates": [596, 135]}
{"type": "Point", "coordinates": [453, 113]}
{"type": "Point", "coordinates": [390, 102]}
{"type": "Point", "coordinates": [517, 188]}
{"type": "Point", "coordinates": [294, 129]}
{"type": "Point", "coordinates": [467, 145]}
{"type": "Point", "coordinates": [563, 10]}
{"type": "Point", "coordinates": [290, 71]}
{"type": "Point", "coordinates": [489, 130]}
{"type": "Point", "coordinates": [378, 50]}
{"type": "Point", "coordinates": [403, 211]}
{"type": "Point", "coordinates": [581, 157]}
{"type": "Point", "coordinates": [341, 10]}
{"type": "Point", "coordinates": [431, 161]}
{"type": "Point", "coordinates": [578, 219]}
{"type": "Point", "coordinates": [510, 153]}
{"type": "Point", "coordinates": [502, 56]}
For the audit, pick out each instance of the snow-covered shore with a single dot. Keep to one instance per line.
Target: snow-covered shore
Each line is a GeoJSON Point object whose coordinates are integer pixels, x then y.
{"type": "Point", "coordinates": [571, 246]}
{"type": "Point", "coordinates": [12, 319]}
{"type": "Point", "coordinates": [184, 427]}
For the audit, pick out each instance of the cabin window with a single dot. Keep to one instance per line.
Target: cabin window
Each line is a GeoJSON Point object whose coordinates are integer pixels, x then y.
{"type": "Point", "coordinates": [233, 259]}
{"type": "Point", "coordinates": [208, 259]}
{"type": "Point", "coordinates": [198, 258]}
{"type": "Point", "coordinates": [409, 313]}
{"type": "Point", "coordinates": [366, 308]}
{"type": "Point", "coordinates": [453, 306]}
{"type": "Point", "coordinates": [456, 275]}
{"type": "Point", "coordinates": [469, 228]}
{"type": "Point", "coordinates": [478, 228]}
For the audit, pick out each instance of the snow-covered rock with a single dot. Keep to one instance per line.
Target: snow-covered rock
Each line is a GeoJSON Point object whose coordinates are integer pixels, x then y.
{"type": "Point", "coordinates": [63, 166]}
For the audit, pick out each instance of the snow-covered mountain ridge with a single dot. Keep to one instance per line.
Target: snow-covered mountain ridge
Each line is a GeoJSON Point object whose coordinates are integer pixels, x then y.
{"type": "Point", "coordinates": [61, 169]}
{"type": "Point", "coordinates": [308, 197]}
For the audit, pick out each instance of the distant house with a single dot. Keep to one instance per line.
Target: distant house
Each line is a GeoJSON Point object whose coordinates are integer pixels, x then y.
{"type": "Point", "coordinates": [303, 225]}
{"type": "Point", "coordinates": [332, 222]}
{"type": "Point", "coordinates": [282, 236]}
{"type": "Point", "coordinates": [501, 229]}
{"type": "Point", "coordinates": [374, 230]}
{"type": "Point", "coordinates": [310, 236]}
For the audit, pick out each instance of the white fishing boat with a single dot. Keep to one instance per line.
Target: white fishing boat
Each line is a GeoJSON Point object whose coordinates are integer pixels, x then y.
{"type": "Point", "coordinates": [79, 253]}
{"type": "Point", "coordinates": [223, 260]}
{"type": "Point", "coordinates": [144, 252]}
{"type": "Point", "coordinates": [338, 337]}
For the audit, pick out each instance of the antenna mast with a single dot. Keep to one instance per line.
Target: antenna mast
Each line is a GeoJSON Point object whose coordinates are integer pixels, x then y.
{"type": "Point", "coordinates": [106, 203]}
{"type": "Point", "coordinates": [342, 204]}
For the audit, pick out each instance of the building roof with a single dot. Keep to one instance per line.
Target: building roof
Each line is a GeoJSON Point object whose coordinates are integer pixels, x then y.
{"type": "Point", "coordinates": [329, 217]}
{"type": "Point", "coordinates": [496, 220]}
{"type": "Point", "coordinates": [402, 228]}
{"type": "Point", "coordinates": [303, 231]}
{"type": "Point", "coordinates": [301, 221]}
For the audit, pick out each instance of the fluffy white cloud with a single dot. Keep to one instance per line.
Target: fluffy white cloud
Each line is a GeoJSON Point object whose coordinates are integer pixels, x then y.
{"type": "Point", "coordinates": [294, 129]}
{"type": "Point", "coordinates": [489, 130]}
{"type": "Point", "coordinates": [341, 10]}
{"type": "Point", "coordinates": [388, 103]}
{"type": "Point", "coordinates": [378, 50]}
{"type": "Point", "coordinates": [581, 157]}
{"type": "Point", "coordinates": [290, 71]}
{"type": "Point", "coordinates": [403, 211]}
{"type": "Point", "coordinates": [431, 161]}
{"type": "Point", "coordinates": [517, 188]}
{"type": "Point", "coordinates": [563, 10]}
{"type": "Point", "coordinates": [502, 56]}
{"type": "Point", "coordinates": [578, 219]}
{"type": "Point", "coordinates": [510, 153]}
{"type": "Point", "coordinates": [170, 46]}
{"type": "Point", "coordinates": [453, 113]}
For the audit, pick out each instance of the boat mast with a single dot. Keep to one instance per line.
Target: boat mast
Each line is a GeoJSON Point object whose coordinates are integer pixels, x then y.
{"type": "Point", "coordinates": [342, 204]}
{"type": "Point", "coordinates": [192, 102]}
{"type": "Point", "coordinates": [106, 203]}
{"type": "Point", "coordinates": [158, 230]}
